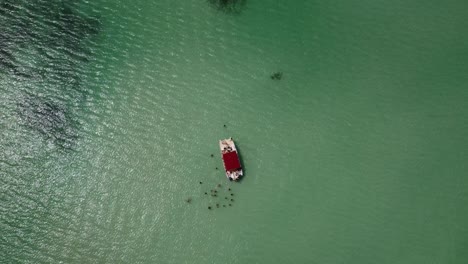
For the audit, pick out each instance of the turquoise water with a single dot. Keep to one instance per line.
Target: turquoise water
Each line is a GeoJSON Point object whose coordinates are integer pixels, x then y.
{"type": "Point", "coordinates": [110, 110]}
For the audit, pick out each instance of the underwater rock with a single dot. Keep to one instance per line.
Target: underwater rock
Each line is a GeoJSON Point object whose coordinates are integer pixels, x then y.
{"type": "Point", "coordinates": [228, 6]}
{"type": "Point", "coordinates": [277, 76]}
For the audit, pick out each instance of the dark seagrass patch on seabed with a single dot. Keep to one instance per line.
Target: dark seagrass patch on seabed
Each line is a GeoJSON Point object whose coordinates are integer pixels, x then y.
{"type": "Point", "coordinates": [58, 35]}
{"type": "Point", "coordinates": [59, 32]}
{"type": "Point", "coordinates": [49, 118]}
{"type": "Point", "coordinates": [228, 6]}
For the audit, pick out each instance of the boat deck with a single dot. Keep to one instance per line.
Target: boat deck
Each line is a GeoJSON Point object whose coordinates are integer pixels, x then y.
{"type": "Point", "coordinates": [231, 159]}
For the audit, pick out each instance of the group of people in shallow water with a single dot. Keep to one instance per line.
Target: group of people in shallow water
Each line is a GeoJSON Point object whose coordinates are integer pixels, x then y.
{"type": "Point", "coordinates": [214, 193]}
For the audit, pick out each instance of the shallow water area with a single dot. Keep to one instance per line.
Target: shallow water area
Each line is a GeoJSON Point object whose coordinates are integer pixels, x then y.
{"type": "Point", "coordinates": [354, 153]}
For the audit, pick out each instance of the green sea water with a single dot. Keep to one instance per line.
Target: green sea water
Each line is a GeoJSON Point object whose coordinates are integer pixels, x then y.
{"type": "Point", "coordinates": [110, 110]}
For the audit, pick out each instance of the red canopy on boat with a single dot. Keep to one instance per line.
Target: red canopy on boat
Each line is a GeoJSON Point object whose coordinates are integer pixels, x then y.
{"type": "Point", "coordinates": [231, 161]}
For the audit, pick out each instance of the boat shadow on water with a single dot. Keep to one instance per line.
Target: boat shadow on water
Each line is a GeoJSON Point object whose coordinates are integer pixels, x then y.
{"type": "Point", "coordinates": [241, 160]}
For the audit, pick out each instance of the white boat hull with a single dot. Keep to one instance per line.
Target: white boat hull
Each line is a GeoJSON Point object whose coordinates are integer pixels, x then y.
{"type": "Point", "coordinates": [227, 145]}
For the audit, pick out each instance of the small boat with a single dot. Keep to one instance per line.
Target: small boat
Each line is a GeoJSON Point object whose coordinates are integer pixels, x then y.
{"type": "Point", "coordinates": [231, 159]}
